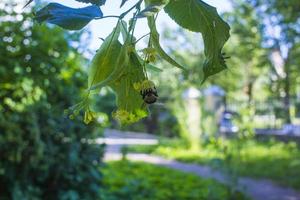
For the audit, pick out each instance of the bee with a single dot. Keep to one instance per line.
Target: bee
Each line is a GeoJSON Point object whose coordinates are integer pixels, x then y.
{"type": "Point", "coordinates": [149, 95]}
{"type": "Point", "coordinates": [147, 90]}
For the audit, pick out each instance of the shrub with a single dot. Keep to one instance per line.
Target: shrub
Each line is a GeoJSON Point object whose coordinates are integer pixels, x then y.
{"type": "Point", "coordinates": [139, 181]}
{"type": "Point", "coordinates": [43, 154]}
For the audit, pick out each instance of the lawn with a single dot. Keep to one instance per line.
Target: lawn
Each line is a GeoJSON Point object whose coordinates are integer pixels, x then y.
{"type": "Point", "coordinates": [272, 160]}
{"type": "Point", "coordinates": [140, 181]}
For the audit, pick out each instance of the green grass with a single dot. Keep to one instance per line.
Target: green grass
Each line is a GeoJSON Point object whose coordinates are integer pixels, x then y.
{"type": "Point", "coordinates": [139, 181]}
{"type": "Point", "coordinates": [270, 160]}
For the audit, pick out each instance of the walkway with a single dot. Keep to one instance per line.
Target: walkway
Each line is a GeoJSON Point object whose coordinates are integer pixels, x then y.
{"type": "Point", "coordinates": [257, 189]}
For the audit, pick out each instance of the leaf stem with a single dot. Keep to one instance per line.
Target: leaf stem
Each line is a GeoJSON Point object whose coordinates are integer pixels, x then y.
{"type": "Point", "coordinates": [108, 16]}
{"type": "Point", "coordinates": [141, 38]}
{"type": "Point", "coordinates": [130, 9]}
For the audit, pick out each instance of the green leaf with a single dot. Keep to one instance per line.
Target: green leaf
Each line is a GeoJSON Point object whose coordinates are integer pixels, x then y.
{"type": "Point", "coordinates": [118, 66]}
{"type": "Point", "coordinates": [197, 16]}
{"type": "Point", "coordinates": [67, 17]}
{"type": "Point", "coordinates": [155, 42]}
{"type": "Point", "coordinates": [152, 7]}
{"type": "Point", "coordinates": [109, 61]}
{"type": "Point", "coordinates": [149, 66]}
{"type": "Point", "coordinates": [131, 107]}
{"type": "Point", "coordinates": [96, 2]}
{"type": "Point", "coordinates": [150, 10]}
{"type": "Point", "coordinates": [156, 2]}
{"type": "Point", "coordinates": [153, 68]}
{"type": "Point", "coordinates": [124, 31]}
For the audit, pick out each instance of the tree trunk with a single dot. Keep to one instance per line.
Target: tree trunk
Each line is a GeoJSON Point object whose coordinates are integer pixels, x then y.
{"type": "Point", "coordinates": [151, 123]}
{"type": "Point", "coordinates": [249, 93]}
{"type": "Point", "coordinates": [286, 99]}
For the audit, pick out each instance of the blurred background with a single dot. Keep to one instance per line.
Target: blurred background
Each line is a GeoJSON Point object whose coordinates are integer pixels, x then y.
{"type": "Point", "coordinates": [242, 122]}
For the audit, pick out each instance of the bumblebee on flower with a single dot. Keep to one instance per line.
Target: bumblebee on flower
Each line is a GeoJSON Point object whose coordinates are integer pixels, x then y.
{"type": "Point", "coordinates": [147, 90]}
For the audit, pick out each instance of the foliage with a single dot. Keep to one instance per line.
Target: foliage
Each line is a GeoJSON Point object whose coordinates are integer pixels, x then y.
{"type": "Point", "coordinates": [281, 36]}
{"type": "Point", "coordinates": [43, 154]}
{"type": "Point", "coordinates": [162, 122]}
{"type": "Point", "coordinates": [214, 30]}
{"type": "Point", "coordinates": [120, 66]}
{"type": "Point", "coordinates": [127, 180]}
{"type": "Point", "coordinates": [245, 74]}
{"type": "Point", "coordinates": [248, 158]}
{"type": "Point", "coordinates": [68, 18]}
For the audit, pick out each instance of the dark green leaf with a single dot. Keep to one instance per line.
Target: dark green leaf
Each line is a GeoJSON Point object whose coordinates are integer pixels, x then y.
{"type": "Point", "coordinates": [197, 16]}
{"type": "Point", "coordinates": [96, 2]}
{"type": "Point", "coordinates": [66, 17]}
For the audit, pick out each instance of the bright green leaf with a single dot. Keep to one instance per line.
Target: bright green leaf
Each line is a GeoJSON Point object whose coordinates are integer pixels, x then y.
{"type": "Point", "coordinates": [150, 66]}
{"type": "Point", "coordinates": [131, 107]}
{"type": "Point", "coordinates": [108, 62]}
{"type": "Point", "coordinates": [124, 31]}
{"type": "Point", "coordinates": [153, 68]}
{"type": "Point", "coordinates": [156, 44]}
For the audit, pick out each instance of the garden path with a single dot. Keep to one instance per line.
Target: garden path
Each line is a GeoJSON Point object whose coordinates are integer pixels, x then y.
{"type": "Point", "coordinates": [256, 189]}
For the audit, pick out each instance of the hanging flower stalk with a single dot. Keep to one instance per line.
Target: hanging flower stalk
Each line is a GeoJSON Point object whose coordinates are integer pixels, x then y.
{"type": "Point", "coordinates": [119, 65]}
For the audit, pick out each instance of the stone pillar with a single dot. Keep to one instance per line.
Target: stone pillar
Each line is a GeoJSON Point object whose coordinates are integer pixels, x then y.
{"type": "Point", "coordinates": [193, 116]}
{"type": "Point", "coordinates": [213, 108]}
